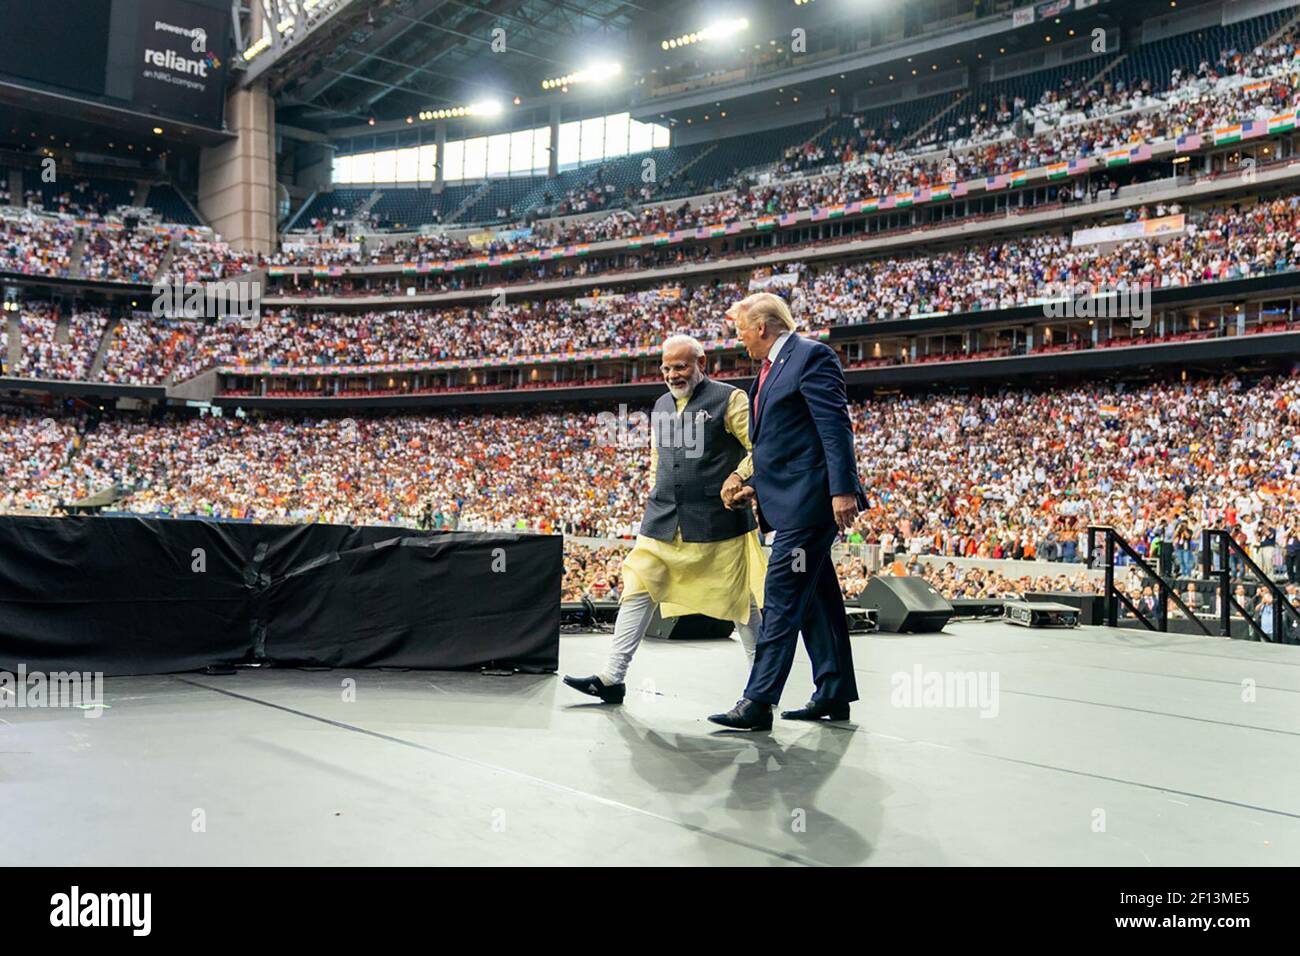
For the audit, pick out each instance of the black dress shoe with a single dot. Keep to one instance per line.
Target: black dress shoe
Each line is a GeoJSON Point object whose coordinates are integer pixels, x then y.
{"type": "Point", "coordinates": [594, 686]}
{"type": "Point", "coordinates": [817, 710]}
{"type": "Point", "coordinates": [746, 715]}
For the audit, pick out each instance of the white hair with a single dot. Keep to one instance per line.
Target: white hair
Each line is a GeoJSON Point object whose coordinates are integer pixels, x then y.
{"type": "Point", "coordinates": [675, 340]}
{"type": "Point", "coordinates": [764, 310]}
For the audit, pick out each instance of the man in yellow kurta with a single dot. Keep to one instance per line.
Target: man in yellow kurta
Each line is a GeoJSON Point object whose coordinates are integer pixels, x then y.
{"type": "Point", "coordinates": [693, 555]}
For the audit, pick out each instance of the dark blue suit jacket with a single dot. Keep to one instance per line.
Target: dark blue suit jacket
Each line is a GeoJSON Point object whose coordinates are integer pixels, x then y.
{"type": "Point", "coordinates": [803, 440]}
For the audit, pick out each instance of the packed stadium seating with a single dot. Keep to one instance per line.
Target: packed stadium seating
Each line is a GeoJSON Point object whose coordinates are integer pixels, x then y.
{"type": "Point", "coordinates": [1230, 241]}
{"type": "Point", "coordinates": [1002, 473]}
{"type": "Point", "coordinates": [1222, 243]}
{"type": "Point", "coordinates": [1203, 63]}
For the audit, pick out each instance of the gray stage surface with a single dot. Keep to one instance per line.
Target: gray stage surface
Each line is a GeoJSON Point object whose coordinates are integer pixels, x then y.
{"type": "Point", "coordinates": [1100, 747]}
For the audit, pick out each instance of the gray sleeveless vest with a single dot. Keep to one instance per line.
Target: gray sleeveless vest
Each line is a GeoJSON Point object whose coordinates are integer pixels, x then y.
{"type": "Point", "coordinates": [696, 454]}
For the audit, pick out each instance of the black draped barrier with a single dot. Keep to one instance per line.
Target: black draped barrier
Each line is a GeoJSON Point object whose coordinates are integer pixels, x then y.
{"type": "Point", "coordinates": [130, 595]}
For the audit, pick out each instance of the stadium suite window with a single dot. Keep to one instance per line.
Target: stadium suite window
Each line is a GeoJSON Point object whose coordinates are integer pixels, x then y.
{"type": "Point", "coordinates": [453, 161]}
{"type": "Point", "coordinates": [521, 153]}
{"type": "Point", "coordinates": [386, 166]}
{"type": "Point", "coordinates": [427, 170]}
{"type": "Point", "coordinates": [498, 154]}
{"type": "Point", "coordinates": [475, 158]}
{"type": "Point", "coordinates": [408, 164]}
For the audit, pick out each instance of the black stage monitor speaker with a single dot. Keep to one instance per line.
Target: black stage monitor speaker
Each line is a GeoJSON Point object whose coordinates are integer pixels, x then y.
{"type": "Point", "coordinates": [906, 604]}
{"type": "Point", "coordinates": [972, 608]}
{"type": "Point", "coordinates": [587, 615]}
{"type": "Point", "coordinates": [688, 627]}
{"type": "Point", "coordinates": [862, 620]}
{"type": "Point", "coordinates": [1042, 614]}
{"type": "Point", "coordinates": [1092, 607]}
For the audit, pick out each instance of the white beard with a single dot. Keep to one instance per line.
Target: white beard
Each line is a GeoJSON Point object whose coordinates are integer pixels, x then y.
{"type": "Point", "coordinates": [688, 389]}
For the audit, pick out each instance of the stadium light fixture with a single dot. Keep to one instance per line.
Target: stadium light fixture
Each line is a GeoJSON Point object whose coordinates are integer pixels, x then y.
{"type": "Point", "coordinates": [260, 46]}
{"type": "Point", "coordinates": [603, 70]}
{"type": "Point", "coordinates": [714, 31]}
{"type": "Point", "coordinates": [481, 108]}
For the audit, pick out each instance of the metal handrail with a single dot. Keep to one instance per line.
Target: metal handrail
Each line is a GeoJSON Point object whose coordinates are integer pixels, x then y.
{"type": "Point", "coordinates": [1113, 597]}
{"type": "Point", "coordinates": [1228, 547]}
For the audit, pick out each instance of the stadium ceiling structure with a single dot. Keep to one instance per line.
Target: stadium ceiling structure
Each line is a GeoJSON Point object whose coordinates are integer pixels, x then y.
{"type": "Point", "coordinates": [392, 59]}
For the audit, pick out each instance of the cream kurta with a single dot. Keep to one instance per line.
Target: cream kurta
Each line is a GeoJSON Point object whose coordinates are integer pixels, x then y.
{"type": "Point", "coordinates": [714, 578]}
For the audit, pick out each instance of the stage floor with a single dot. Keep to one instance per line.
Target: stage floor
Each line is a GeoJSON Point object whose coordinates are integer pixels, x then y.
{"type": "Point", "coordinates": [1099, 747]}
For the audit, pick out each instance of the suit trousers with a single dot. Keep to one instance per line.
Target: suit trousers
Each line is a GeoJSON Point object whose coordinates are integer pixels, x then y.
{"type": "Point", "coordinates": [802, 593]}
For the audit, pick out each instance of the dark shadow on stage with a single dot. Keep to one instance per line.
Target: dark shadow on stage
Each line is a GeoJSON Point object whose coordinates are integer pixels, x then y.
{"type": "Point", "coordinates": [771, 798]}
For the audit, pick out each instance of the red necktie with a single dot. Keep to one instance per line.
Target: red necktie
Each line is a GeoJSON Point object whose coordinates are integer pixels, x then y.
{"type": "Point", "coordinates": [762, 377]}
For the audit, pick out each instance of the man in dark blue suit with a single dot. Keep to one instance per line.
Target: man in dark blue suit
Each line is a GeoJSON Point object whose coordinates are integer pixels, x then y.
{"type": "Point", "coordinates": [805, 482]}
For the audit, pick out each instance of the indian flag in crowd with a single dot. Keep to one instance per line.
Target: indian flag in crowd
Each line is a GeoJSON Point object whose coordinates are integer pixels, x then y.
{"type": "Point", "coordinates": [1227, 134]}
{"type": "Point", "coordinates": [1283, 123]}
{"type": "Point", "coordinates": [766, 222]}
{"type": "Point", "coordinates": [870, 205]}
{"type": "Point", "coordinates": [636, 242]}
{"type": "Point", "coordinates": [1019, 177]}
{"type": "Point", "coordinates": [717, 229]}
{"type": "Point", "coordinates": [904, 199]}
{"type": "Point", "coordinates": [1058, 170]}
{"type": "Point", "coordinates": [1259, 87]}
{"type": "Point", "coordinates": [661, 238]}
{"type": "Point", "coordinates": [835, 211]}
{"type": "Point", "coordinates": [941, 192]}
{"type": "Point", "coordinates": [1118, 157]}
{"type": "Point", "coordinates": [1108, 411]}
{"type": "Point", "coordinates": [583, 249]}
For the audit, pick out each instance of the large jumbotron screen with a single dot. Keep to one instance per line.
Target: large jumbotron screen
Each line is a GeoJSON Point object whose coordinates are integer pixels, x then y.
{"type": "Point", "coordinates": [163, 57]}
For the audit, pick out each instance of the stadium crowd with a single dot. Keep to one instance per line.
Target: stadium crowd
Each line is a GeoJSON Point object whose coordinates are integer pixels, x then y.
{"type": "Point", "coordinates": [1005, 474]}
{"type": "Point", "coordinates": [1221, 243]}
{"type": "Point", "coordinates": [991, 136]}
{"type": "Point", "coordinates": [1070, 121]}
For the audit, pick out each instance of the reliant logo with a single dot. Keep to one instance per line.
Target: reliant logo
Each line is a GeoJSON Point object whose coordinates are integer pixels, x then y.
{"type": "Point", "coordinates": [171, 60]}
{"type": "Point", "coordinates": [103, 909]}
